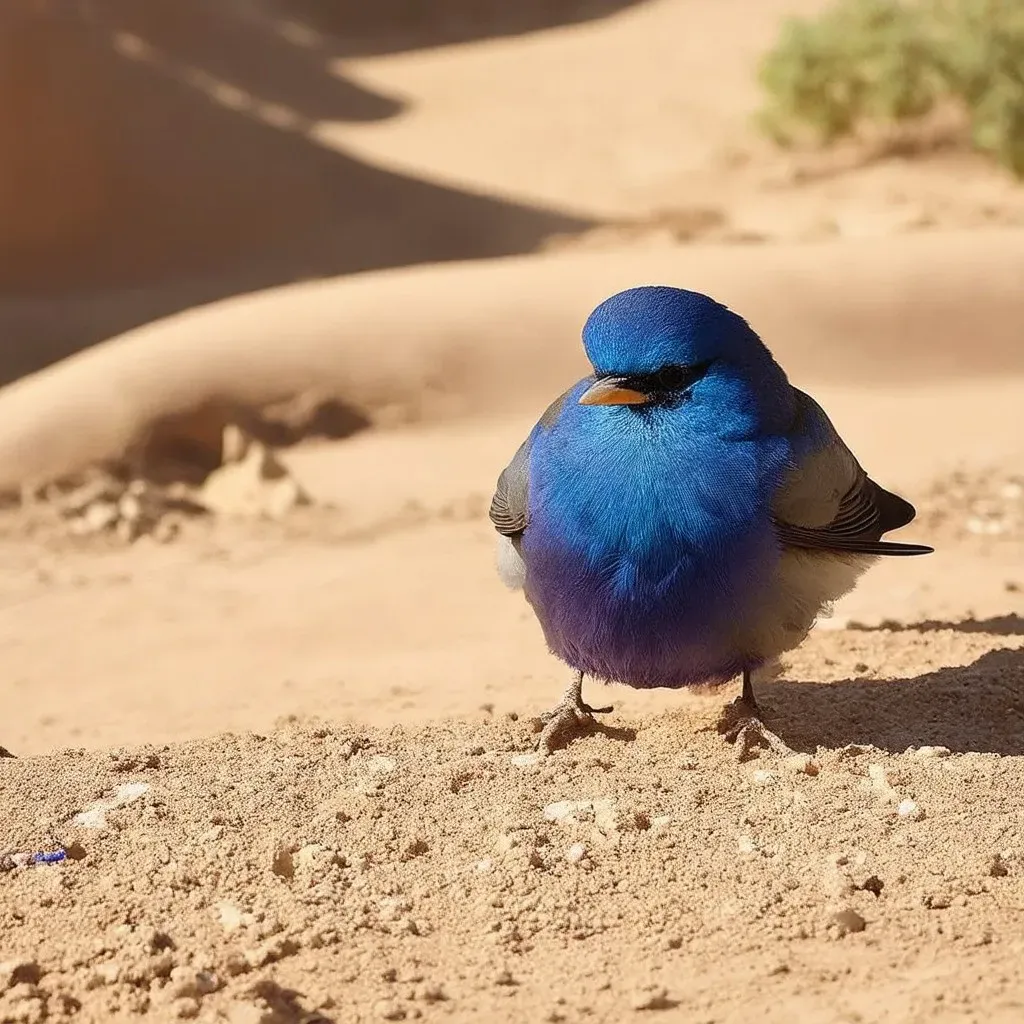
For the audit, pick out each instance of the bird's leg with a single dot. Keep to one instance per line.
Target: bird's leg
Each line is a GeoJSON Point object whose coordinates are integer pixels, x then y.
{"type": "Point", "coordinates": [747, 693]}
{"type": "Point", "coordinates": [566, 716]}
{"type": "Point", "coordinates": [741, 724]}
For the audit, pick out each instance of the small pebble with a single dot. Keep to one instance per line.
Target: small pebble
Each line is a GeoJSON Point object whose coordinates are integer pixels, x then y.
{"type": "Point", "coordinates": [803, 763]}
{"type": "Point", "coordinates": [388, 1009]}
{"type": "Point", "coordinates": [747, 845]}
{"type": "Point", "coordinates": [232, 918]}
{"type": "Point", "coordinates": [909, 811]}
{"type": "Point", "coordinates": [762, 777]}
{"type": "Point", "coordinates": [928, 752]}
{"type": "Point", "coordinates": [575, 853]}
{"type": "Point", "coordinates": [95, 815]}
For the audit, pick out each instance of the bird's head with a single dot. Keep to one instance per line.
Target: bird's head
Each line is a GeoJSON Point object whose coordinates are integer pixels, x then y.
{"type": "Point", "coordinates": [652, 346]}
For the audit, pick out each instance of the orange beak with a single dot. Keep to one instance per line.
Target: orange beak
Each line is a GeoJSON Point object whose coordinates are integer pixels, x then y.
{"type": "Point", "coordinates": [611, 391]}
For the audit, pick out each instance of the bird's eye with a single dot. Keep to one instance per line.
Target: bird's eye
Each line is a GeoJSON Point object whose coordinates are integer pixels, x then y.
{"type": "Point", "coordinates": [670, 377]}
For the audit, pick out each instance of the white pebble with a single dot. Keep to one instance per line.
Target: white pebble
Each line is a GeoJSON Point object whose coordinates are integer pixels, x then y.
{"type": "Point", "coordinates": [95, 815]}
{"type": "Point", "coordinates": [99, 516]}
{"type": "Point", "coordinates": [747, 845]}
{"type": "Point", "coordinates": [909, 810]}
{"type": "Point", "coordinates": [485, 866]}
{"type": "Point", "coordinates": [575, 853]}
{"type": "Point", "coordinates": [232, 918]}
{"type": "Point", "coordinates": [762, 777]}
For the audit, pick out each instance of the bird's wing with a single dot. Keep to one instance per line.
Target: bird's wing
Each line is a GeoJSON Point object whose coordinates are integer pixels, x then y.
{"type": "Point", "coordinates": [511, 502]}
{"type": "Point", "coordinates": [828, 502]}
{"type": "Point", "coordinates": [510, 505]}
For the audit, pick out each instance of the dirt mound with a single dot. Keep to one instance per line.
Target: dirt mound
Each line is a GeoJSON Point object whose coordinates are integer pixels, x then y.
{"type": "Point", "coordinates": [321, 873]}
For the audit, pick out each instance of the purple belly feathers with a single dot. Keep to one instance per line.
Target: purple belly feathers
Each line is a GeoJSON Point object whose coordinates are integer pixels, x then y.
{"type": "Point", "coordinates": [649, 621]}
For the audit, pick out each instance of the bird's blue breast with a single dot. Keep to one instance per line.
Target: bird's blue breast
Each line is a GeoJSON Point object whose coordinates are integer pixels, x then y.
{"type": "Point", "coordinates": [650, 539]}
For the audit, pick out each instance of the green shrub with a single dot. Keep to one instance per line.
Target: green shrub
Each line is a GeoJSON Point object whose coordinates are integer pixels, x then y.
{"type": "Point", "coordinates": [886, 62]}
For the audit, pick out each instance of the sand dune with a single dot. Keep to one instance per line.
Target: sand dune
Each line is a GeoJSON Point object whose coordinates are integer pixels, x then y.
{"type": "Point", "coordinates": [168, 150]}
{"type": "Point", "coordinates": [441, 342]}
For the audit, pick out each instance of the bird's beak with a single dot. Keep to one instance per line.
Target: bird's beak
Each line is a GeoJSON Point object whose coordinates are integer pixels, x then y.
{"type": "Point", "coordinates": [612, 391]}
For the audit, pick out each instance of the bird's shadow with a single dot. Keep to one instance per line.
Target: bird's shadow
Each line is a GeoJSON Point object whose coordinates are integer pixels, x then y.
{"type": "Point", "coordinates": [974, 708]}
{"type": "Point", "coordinates": [997, 625]}
{"type": "Point", "coordinates": [618, 733]}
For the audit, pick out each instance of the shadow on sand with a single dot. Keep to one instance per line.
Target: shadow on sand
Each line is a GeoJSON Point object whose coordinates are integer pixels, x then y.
{"type": "Point", "coordinates": [978, 707]}
{"type": "Point", "coordinates": [165, 154]}
{"type": "Point", "coordinates": [998, 625]}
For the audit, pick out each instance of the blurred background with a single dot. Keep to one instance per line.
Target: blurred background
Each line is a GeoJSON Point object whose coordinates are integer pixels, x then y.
{"type": "Point", "coordinates": [283, 283]}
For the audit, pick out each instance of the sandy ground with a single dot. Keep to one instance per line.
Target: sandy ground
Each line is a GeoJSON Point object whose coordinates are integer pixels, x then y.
{"type": "Point", "coordinates": [290, 759]}
{"type": "Point", "coordinates": [332, 811]}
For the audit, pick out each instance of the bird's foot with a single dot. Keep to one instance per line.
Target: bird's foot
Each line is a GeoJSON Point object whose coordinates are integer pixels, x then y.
{"type": "Point", "coordinates": [565, 719]}
{"type": "Point", "coordinates": [743, 725]}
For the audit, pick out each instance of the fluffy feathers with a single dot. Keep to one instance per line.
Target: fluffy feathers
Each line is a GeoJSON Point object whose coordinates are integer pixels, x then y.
{"type": "Point", "coordinates": [695, 536]}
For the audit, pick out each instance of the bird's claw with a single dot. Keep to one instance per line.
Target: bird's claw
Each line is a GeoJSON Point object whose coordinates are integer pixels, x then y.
{"type": "Point", "coordinates": [564, 719]}
{"type": "Point", "coordinates": [742, 725]}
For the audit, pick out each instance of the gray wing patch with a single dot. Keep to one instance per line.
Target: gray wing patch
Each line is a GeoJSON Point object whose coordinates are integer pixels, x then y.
{"type": "Point", "coordinates": [510, 505]}
{"type": "Point", "coordinates": [831, 504]}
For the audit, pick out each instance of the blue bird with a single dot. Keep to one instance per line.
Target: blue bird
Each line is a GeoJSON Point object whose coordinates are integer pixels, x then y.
{"type": "Point", "coordinates": [683, 515]}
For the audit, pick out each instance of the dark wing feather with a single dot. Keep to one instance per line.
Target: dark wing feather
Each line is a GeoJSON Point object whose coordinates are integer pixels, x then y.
{"type": "Point", "coordinates": [830, 504]}
{"type": "Point", "coordinates": [865, 513]}
{"type": "Point", "coordinates": [511, 502]}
